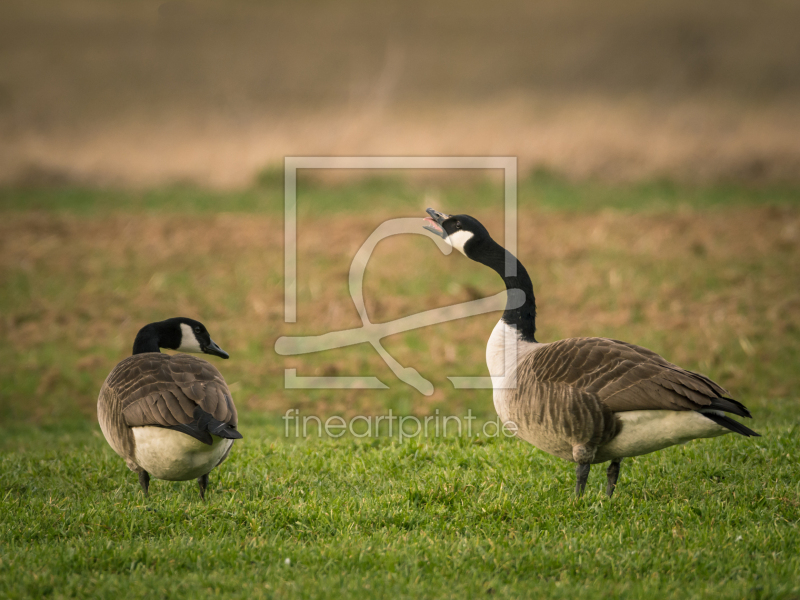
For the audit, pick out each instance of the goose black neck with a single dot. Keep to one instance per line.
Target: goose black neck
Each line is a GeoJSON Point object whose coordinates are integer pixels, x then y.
{"type": "Point", "coordinates": [523, 317]}
{"type": "Point", "coordinates": [147, 340]}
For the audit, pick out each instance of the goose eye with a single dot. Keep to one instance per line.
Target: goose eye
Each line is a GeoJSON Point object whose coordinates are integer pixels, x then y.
{"type": "Point", "coordinates": [197, 330]}
{"type": "Point", "coordinates": [458, 225]}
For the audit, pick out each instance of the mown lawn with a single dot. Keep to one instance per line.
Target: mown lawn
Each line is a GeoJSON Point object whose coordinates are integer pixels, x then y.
{"type": "Point", "coordinates": [449, 517]}
{"type": "Point", "coordinates": [707, 277]}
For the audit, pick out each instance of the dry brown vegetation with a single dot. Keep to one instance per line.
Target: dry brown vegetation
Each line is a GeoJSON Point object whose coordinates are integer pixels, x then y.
{"type": "Point", "coordinates": [145, 92]}
{"type": "Point", "coordinates": [716, 291]}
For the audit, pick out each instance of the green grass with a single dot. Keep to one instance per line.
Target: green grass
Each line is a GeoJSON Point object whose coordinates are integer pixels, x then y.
{"type": "Point", "coordinates": [540, 189]}
{"type": "Point", "coordinates": [706, 276]}
{"type": "Point", "coordinates": [449, 517]}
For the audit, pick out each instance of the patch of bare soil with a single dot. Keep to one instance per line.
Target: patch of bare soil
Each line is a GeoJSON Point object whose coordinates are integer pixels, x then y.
{"type": "Point", "coordinates": [714, 291]}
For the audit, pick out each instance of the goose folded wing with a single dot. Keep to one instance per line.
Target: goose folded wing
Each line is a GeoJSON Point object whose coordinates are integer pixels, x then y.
{"type": "Point", "coordinates": [171, 408]}
{"type": "Point", "coordinates": [628, 377]}
{"type": "Point", "coordinates": [198, 404]}
{"type": "Point", "coordinates": [201, 382]}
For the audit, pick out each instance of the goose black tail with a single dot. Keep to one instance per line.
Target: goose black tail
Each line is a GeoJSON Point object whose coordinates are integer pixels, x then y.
{"type": "Point", "coordinates": [204, 425]}
{"type": "Point", "coordinates": [729, 423]}
{"type": "Point", "coordinates": [730, 405]}
{"type": "Point", "coordinates": [205, 422]}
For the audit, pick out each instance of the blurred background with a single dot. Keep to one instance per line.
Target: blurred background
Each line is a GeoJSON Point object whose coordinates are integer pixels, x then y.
{"type": "Point", "coordinates": [144, 93]}
{"type": "Point", "coordinates": [141, 154]}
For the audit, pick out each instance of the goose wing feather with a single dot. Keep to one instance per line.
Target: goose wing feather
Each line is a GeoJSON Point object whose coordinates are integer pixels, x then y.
{"type": "Point", "coordinates": [626, 377]}
{"type": "Point", "coordinates": [160, 390]}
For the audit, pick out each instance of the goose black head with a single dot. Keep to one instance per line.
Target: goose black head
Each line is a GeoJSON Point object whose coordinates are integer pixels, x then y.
{"type": "Point", "coordinates": [179, 333]}
{"type": "Point", "coordinates": [464, 233]}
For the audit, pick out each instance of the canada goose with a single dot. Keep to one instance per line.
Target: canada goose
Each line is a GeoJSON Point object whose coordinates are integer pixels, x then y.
{"type": "Point", "coordinates": [170, 416]}
{"type": "Point", "coordinates": [586, 400]}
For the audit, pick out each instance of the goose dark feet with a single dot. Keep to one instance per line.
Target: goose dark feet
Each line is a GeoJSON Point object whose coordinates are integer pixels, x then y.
{"type": "Point", "coordinates": [202, 483]}
{"type": "Point", "coordinates": [613, 475]}
{"type": "Point", "coordinates": [582, 473]}
{"type": "Point", "coordinates": [144, 481]}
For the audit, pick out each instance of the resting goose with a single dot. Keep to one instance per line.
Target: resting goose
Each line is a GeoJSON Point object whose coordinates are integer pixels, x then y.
{"type": "Point", "coordinates": [169, 416]}
{"type": "Point", "coordinates": [586, 400]}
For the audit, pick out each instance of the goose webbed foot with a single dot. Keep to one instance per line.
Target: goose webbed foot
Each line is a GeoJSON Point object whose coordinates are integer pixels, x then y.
{"type": "Point", "coordinates": [144, 481]}
{"type": "Point", "coordinates": [613, 475]}
{"type": "Point", "coordinates": [582, 473]}
{"type": "Point", "coordinates": [202, 483]}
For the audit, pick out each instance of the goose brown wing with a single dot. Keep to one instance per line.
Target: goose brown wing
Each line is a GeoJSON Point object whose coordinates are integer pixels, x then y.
{"type": "Point", "coordinates": [627, 377]}
{"type": "Point", "coordinates": [165, 391]}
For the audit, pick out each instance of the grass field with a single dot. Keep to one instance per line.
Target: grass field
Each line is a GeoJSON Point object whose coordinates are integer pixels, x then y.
{"type": "Point", "coordinates": [708, 277]}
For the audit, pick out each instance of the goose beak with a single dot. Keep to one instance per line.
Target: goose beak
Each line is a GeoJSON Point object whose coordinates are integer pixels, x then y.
{"type": "Point", "coordinates": [434, 222]}
{"type": "Point", "coordinates": [215, 350]}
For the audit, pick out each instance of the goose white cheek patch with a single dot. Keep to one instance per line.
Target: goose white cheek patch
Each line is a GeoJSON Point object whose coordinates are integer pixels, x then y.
{"type": "Point", "coordinates": [189, 342]}
{"type": "Point", "coordinates": [458, 239]}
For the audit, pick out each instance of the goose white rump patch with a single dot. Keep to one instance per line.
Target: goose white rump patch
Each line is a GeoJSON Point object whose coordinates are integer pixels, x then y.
{"type": "Point", "coordinates": [175, 456]}
{"type": "Point", "coordinates": [645, 431]}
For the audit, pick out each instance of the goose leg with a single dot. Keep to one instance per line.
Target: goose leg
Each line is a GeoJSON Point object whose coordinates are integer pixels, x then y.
{"type": "Point", "coordinates": [613, 475]}
{"type": "Point", "coordinates": [144, 481]}
{"type": "Point", "coordinates": [202, 483]}
{"type": "Point", "coordinates": [582, 473]}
